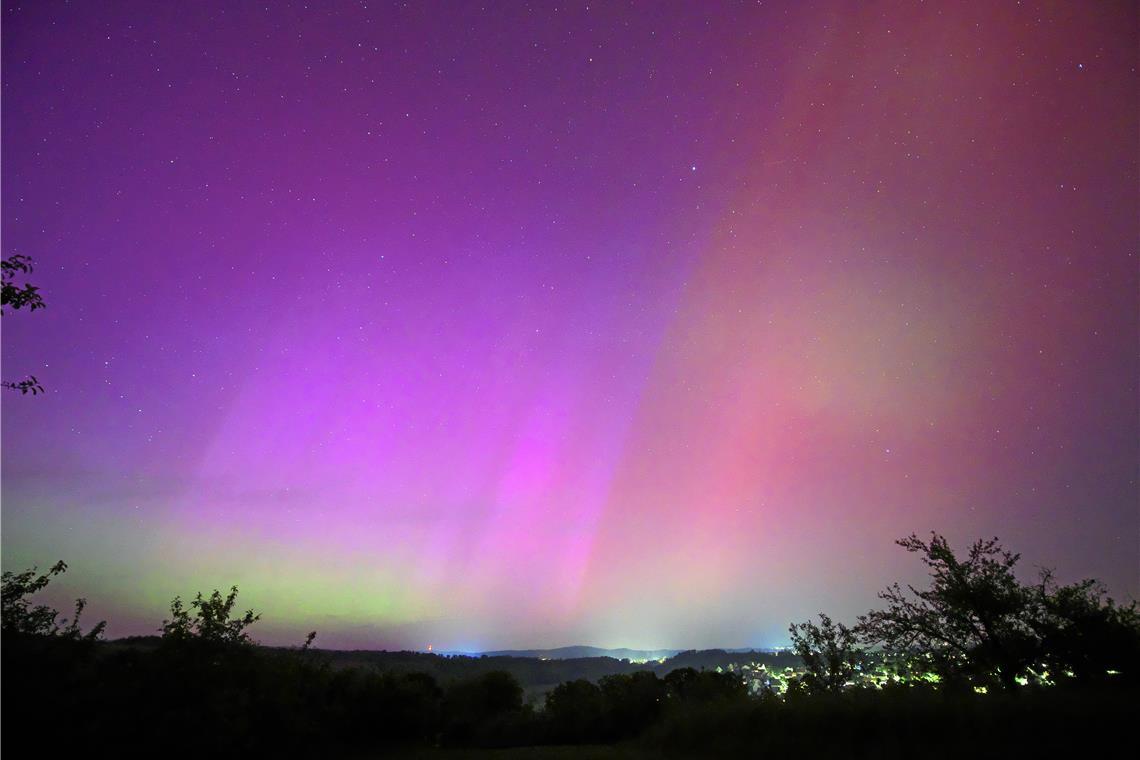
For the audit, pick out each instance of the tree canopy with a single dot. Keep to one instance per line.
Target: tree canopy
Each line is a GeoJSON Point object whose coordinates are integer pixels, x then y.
{"type": "Point", "coordinates": [977, 621]}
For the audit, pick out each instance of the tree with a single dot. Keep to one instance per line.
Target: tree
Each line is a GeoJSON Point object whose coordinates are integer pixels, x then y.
{"type": "Point", "coordinates": [633, 701]}
{"type": "Point", "coordinates": [19, 617]}
{"type": "Point", "coordinates": [978, 622]}
{"type": "Point", "coordinates": [17, 297]}
{"type": "Point", "coordinates": [975, 620]}
{"type": "Point", "coordinates": [1084, 634]}
{"type": "Point", "coordinates": [211, 621]}
{"type": "Point", "coordinates": [478, 709]}
{"type": "Point", "coordinates": [692, 686]}
{"type": "Point", "coordinates": [829, 653]}
{"type": "Point", "coordinates": [574, 711]}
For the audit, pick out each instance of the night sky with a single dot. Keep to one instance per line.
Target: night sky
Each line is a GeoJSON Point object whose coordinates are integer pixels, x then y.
{"type": "Point", "coordinates": [627, 324]}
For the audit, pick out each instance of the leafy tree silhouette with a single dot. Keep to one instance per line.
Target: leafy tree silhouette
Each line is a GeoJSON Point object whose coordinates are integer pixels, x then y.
{"type": "Point", "coordinates": [975, 620]}
{"type": "Point", "coordinates": [13, 295]}
{"type": "Point", "coordinates": [829, 652]}
{"type": "Point", "coordinates": [633, 701]}
{"type": "Point", "coordinates": [18, 616]}
{"type": "Point", "coordinates": [574, 711]}
{"type": "Point", "coordinates": [210, 621]}
{"type": "Point", "coordinates": [17, 297]}
{"type": "Point", "coordinates": [479, 708]}
{"type": "Point", "coordinates": [1084, 634]}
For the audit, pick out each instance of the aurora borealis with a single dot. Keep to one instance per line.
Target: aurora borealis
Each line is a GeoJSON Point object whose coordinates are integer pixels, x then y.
{"type": "Point", "coordinates": [625, 324]}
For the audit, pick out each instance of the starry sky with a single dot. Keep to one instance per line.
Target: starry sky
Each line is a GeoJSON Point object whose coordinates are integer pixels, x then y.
{"type": "Point", "coordinates": [642, 324]}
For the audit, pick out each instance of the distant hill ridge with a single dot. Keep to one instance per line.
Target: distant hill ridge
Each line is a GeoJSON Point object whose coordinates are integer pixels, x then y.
{"type": "Point", "coordinates": [621, 653]}
{"type": "Point", "coordinates": [577, 652]}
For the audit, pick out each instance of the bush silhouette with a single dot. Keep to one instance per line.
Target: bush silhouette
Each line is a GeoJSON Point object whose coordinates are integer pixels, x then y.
{"type": "Point", "coordinates": [210, 621]}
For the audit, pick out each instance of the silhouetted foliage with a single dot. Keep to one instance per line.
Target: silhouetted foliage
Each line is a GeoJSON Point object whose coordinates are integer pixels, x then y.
{"type": "Point", "coordinates": [574, 711]}
{"type": "Point", "coordinates": [535, 672]}
{"type": "Point", "coordinates": [203, 689]}
{"type": "Point", "coordinates": [691, 687]}
{"type": "Point", "coordinates": [210, 621]}
{"type": "Point", "coordinates": [972, 621]}
{"type": "Point", "coordinates": [13, 295]}
{"type": "Point", "coordinates": [829, 653]}
{"type": "Point", "coordinates": [477, 710]}
{"type": "Point", "coordinates": [977, 622]}
{"type": "Point", "coordinates": [18, 616]}
{"type": "Point", "coordinates": [633, 701]}
{"type": "Point", "coordinates": [1083, 633]}
{"type": "Point", "coordinates": [28, 385]}
{"type": "Point", "coordinates": [363, 708]}
{"type": "Point", "coordinates": [47, 661]}
{"type": "Point", "coordinates": [905, 722]}
{"type": "Point", "coordinates": [17, 297]}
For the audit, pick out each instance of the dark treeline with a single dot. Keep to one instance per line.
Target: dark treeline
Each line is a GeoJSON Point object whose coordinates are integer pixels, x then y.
{"type": "Point", "coordinates": [1049, 670]}
{"type": "Point", "coordinates": [224, 700]}
{"type": "Point", "coordinates": [235, 698]}
{"type": "Point", "coordinates": [533, 673]}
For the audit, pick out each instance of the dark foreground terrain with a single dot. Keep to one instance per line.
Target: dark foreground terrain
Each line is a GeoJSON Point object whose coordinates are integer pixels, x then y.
{"type": "Point", "coordinates": [979, 665]}
{"type": "Point", "coordinates": [186, 698]}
